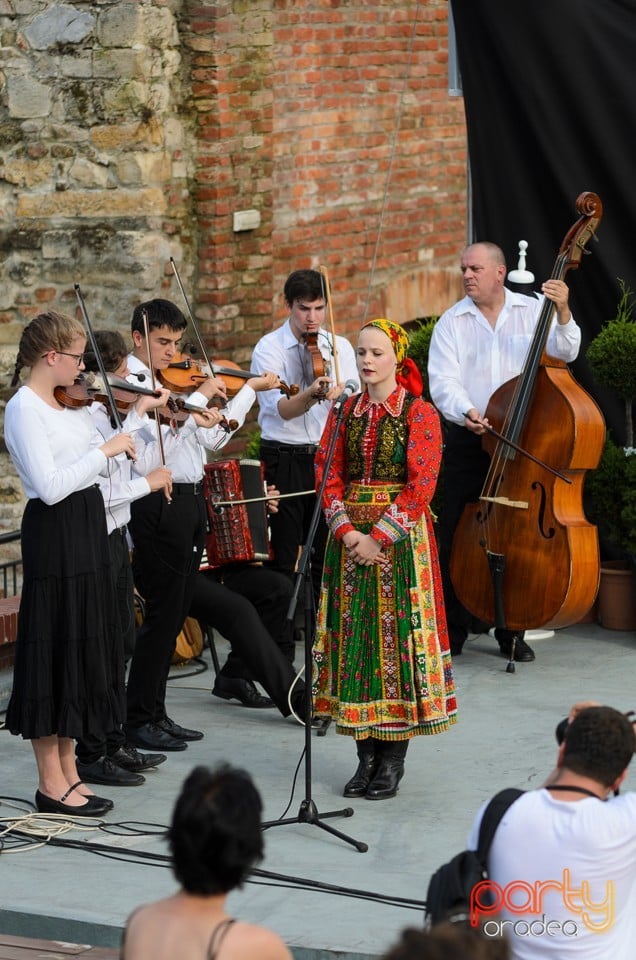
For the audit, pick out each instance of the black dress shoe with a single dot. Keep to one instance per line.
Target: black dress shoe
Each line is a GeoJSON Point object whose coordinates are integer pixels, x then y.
{"type": "Point", "coordinates": [107, 772]}
{"type": "Point", "coordinates": [523, 652]}
{"type": "Point", "coordinates": [150, 736]}
{"type": "Point", "coordinates": [237, 688]}
{"type": "Point", "coordinates": [128, 758]}
{"type": "Point", "coordinates": [178, 732]}
{"type": "Point", "coordinates": [94, 806]}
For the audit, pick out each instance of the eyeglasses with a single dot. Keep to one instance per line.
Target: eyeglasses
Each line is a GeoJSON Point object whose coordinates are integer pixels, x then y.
{"type": "Point", "coordinates": [79, 357]}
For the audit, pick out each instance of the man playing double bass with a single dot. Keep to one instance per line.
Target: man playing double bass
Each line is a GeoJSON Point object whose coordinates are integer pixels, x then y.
{"type": "Point", "coordinates": [477, 345]}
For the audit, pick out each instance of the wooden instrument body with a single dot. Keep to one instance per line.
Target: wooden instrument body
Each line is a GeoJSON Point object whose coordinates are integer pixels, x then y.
{"type": "Point", "coordinates": [551, 552]}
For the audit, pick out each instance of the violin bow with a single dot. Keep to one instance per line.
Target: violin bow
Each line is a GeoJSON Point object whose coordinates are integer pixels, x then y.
{"type": "Point", "coordinates": [191, 316]}
{"type": "Point", "coordinates": [325, 277]}
{"type": "Point", "coordinates": [162, 452]}
{"type": "Point", "coordinates": [114, 412]}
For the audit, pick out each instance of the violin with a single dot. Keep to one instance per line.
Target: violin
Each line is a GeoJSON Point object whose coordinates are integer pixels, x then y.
{"type": "Point", "coordinates": [124, 394]}
{"type": "Point", "coordinates": [78, 394]}
{"type": "Point", "coordinates": [179, 410]}
{"type": "Point", "coordinates": [184, 375]}
{"type": "Point", "coordinates": [315, 365]}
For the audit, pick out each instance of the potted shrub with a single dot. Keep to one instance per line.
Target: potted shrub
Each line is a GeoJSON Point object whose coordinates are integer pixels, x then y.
{"type": "Point", "coordinates": [611, 488]}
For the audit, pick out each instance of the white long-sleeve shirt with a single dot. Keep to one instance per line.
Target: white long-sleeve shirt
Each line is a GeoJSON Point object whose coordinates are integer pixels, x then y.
{"type": "Point", "coordinates": [55, 452]}
{"type": "Point", "coordinates": [468, 359]}
{"type": "Point", "coordinates": [124, 481]}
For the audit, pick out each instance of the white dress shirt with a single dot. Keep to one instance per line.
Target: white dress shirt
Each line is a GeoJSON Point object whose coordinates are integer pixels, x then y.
{"type": "Point", "coordinates": [124, 481]}
{"type": "Point", "coordinates": [281, 353]}
{"type": "Point", "coordinates": [468, 359]}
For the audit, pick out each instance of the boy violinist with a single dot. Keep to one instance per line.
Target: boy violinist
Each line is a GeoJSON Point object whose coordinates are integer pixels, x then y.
{"type": "Point", "coordinates": [168, 538]}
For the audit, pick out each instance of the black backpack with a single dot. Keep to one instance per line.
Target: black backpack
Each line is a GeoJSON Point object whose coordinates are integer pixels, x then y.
{"type": "Point", "coordinates": [448, 894]}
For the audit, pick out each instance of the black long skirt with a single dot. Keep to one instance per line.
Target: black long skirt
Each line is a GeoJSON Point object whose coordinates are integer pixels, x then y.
{"type": "Point", "coordinates": [67, 671]}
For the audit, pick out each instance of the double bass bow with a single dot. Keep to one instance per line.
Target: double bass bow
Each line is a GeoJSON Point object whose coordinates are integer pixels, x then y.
{"type": "Point", "coordinates": [524, 555]}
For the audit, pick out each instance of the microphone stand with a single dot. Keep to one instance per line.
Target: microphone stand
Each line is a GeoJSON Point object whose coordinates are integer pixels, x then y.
{"type": "Point", "coordinates": [308, 812]}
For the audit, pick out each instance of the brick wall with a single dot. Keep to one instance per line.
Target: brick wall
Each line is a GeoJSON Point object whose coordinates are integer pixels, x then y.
{"type": "Point", "coordinates": [333, 121]}
{"type": "Point", "coordinates": [130, 133]}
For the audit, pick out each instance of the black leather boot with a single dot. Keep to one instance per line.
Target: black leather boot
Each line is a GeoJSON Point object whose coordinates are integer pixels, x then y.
{"type": "Point", "coordinates": [368, 757]}
{"type": "Point", "coordinates": [390, 770]}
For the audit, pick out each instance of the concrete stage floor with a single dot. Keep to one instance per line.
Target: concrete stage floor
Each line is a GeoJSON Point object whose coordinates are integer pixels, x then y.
{"type": "Point", "coordinates": [324, 897]}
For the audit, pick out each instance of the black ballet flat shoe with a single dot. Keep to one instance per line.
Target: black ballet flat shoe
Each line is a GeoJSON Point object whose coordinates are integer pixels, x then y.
{"type": "Point", "coordinates": [94, 806]}
{"type": "Point", "coordinates": [237, 688]}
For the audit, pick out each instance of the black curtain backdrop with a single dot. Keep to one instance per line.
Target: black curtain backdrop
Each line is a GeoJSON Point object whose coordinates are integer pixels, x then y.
{"type": "Point", "coordinates": [550, 99]}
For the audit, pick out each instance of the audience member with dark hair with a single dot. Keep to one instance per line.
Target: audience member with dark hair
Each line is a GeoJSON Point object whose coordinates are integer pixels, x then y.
{"type": "Point", "coordinates": [215, 840]}
{"type": "Point", "coordinates": [447, 941]}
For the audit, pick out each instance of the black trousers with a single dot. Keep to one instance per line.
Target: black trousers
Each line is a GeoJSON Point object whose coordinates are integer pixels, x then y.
{"type": "Point", "coordinates": [249, 609]}
{"type": "Point", "coordinates": [465, 465]}
{"type": "Point", "coordinates": [168, 541]}
{"type": "Point", "coordinates": [88, 749]}
{"type": "Point", "coordinates": [291, 471]}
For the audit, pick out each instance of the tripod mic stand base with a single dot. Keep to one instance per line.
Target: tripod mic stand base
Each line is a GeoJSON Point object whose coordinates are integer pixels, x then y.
{"type": "Point", "coordinates": [308, 813]}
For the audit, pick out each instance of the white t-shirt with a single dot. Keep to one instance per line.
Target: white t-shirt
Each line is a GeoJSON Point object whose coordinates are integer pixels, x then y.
{"type": "Point", "coordinates": [583, 852]}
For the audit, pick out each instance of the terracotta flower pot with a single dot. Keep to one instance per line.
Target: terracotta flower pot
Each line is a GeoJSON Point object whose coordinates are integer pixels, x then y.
{"type": "Point", "coordinates": [617, 596]}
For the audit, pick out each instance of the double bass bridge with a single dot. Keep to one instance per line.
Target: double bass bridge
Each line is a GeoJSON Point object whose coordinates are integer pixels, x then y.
{"type": "Point", "coordinates": [506, 502]}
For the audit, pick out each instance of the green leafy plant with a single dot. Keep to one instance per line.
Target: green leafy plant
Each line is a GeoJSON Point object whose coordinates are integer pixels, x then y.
{"type": "Point", "coordinates": [253, 445]}
{"type": "Point", "coordinates": [612, 486]}
{"type": "Point", "coordinates": [612, 494]}
{"type": "Point", "coordinates": [419, 344]}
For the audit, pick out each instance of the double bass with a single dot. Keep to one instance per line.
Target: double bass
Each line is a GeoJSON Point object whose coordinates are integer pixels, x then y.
{"type": "Point", "coordinates": [524, 555]}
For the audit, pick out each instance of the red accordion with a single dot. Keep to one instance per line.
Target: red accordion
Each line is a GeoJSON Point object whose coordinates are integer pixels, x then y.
{"type": "Point", "coordinates": [237, 533]}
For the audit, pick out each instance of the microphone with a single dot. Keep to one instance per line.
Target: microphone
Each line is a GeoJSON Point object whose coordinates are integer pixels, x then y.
{"type": "Point", "coordinates": [351, 387]}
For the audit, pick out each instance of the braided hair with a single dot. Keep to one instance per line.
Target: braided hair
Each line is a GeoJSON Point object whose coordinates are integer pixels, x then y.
{"type": "Point", "coordinates": [47, 331]}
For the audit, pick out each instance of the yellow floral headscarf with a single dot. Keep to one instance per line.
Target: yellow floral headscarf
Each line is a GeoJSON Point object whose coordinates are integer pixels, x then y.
{"type": "Point", "coordinates": [407, 373]}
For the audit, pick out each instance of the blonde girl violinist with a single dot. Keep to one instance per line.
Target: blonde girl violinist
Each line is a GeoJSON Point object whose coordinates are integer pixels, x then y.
{"type": "Point", "coordinates": [382, 663]}
{"type": "Point", "coordinates": [65, 671]}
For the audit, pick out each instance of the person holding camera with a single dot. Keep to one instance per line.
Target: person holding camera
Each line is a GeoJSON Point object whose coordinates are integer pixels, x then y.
{"type": "Point", "coordinates": [562, 865]}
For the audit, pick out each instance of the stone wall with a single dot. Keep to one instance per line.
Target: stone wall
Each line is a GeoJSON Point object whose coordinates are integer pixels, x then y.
{"type": "Point", "coordinates": [132, 132]}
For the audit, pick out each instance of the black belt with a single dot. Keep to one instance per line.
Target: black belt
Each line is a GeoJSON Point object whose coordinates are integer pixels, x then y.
{"type": "Point", "coordinates": [121, 531]}
{"type": "Point", "coordinates": [192, 488]}
{"type": "Point", "coordinates": [307, 450]}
